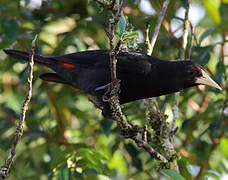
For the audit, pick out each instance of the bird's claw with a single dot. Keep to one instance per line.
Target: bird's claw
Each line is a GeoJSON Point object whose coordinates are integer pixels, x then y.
{"type": "Point", "coordinates": [105, 98]}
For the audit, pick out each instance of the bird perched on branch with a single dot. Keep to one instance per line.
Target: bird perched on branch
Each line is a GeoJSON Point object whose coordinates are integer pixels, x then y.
{"type": "Point", "coordinates": [141, 76]}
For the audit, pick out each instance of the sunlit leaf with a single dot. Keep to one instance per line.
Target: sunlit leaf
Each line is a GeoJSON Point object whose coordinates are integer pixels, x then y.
{"type": "Point", "coordinates": [212, 7]}
{"type": "Point", "coordinates": [130, 35]}
{"type": "Point", "coordinates": [224, 146]}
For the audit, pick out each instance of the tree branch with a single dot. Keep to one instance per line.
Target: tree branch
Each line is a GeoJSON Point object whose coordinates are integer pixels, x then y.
{"type": "Point", "coordinates": [114, 98]}
{"type": "Point", "coordinates": [157, 28]}
{"type": "Point", "coordinates": [19, 131]}
{"type": "Point", "coordinates": [127, 130]}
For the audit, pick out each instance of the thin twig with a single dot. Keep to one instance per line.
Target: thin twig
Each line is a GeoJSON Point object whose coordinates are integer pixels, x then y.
{"type": "Point", "coordinates": [191, 41]}
{"type": "Point", "coordinates": [167, 27]}
{"type": "Point", "coordinates": [144, 134]}
{"type": "Point", "coordinates": [183, 50]}
{"type": "Point", "coordinates": [149, 149]}
{"type": "Point", "coordinates": [157, 28]}
{"type": "Point", "coordinates": [185, 33]}
{"type": "Point", "coordinates": [19, 131]}
{"type": "Point", "coordinates": [147, 41]}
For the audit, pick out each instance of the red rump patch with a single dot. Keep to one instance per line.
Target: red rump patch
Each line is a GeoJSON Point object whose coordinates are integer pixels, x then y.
{"type": "Point", "coordinates": [66, 65]}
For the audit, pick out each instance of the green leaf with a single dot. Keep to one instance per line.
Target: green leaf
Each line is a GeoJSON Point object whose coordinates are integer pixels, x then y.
{"type": "Point", "coordinates": [204, 147]}
{"type": "Point", "coordinates": [224, 146]}
{"type": "Point", "coordinates": [61, 158]}
{"type": "Point", "coordinates": [87, 162]}
{"type": "Point", "coordinates": [220, 70]}
{"type": "Point", "coordinates": [64, 174]}
{"type": "Point", "coordinates": [183, 167]}
{"type": "Point", "coordinates": [206, 34]}
{"type": "Point", "coordinates": [121, 27]}
{"type": "Point", "coordinates": [133, 151]}
{"type": "Point", "coordinates": [130, 35]}
{"type": "Point", "coordinates": [201, 55]}
{"type": "Point", "coordinates": [91, 158]}
{"type": "Point", "coordinates": [10, 28]}
{"type": "Point", "coordinates": [224, 15]}
{"type": "Point", "coordinates": [212, 8]}
{"type": "Point", "coordinates": [98, 155]}
{"type": "Point", "coordinates": [172, 174]}
{"type": "Point", "coordinates": [220, 67]}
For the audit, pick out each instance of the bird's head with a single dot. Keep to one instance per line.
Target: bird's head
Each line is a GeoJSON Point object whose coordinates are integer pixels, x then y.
{"type": "Point", "coordinates": [194, 75]}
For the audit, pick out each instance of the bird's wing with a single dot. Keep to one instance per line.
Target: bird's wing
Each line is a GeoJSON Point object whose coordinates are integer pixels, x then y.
{"type": "Point", "coordinates": [128, 62]}
{"type": "Point", "coordinates": [86, 59]}
{"type": "Point", "coordinates": [133, 62]}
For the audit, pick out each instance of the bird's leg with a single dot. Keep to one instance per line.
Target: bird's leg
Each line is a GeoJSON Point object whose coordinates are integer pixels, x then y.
{"type": "Point", "coordinates": [105, 97]}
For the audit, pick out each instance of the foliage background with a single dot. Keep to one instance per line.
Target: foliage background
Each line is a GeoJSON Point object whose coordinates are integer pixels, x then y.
{"type": "Point", "coordinates": [65, 136]}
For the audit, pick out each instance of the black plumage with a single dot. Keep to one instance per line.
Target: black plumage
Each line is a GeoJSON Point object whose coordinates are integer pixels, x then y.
{"type": "Point", "coordinates": [141, 76]}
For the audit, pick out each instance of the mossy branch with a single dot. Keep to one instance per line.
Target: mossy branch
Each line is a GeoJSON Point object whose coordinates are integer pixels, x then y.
{"type": "Point", "coordinates": [127, 129]}
{"type": "Point", "coordinates": [4, 172]}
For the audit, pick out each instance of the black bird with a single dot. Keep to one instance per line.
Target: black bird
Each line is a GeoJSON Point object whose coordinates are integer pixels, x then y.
{"type": "Point", "coordinates": [141, 76]}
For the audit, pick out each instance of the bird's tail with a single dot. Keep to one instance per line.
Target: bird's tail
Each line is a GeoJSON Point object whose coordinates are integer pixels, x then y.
{"type": "Point", "coordinates": [47, 61]}
{"type": "Point", "coordinates": [26, 56]}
